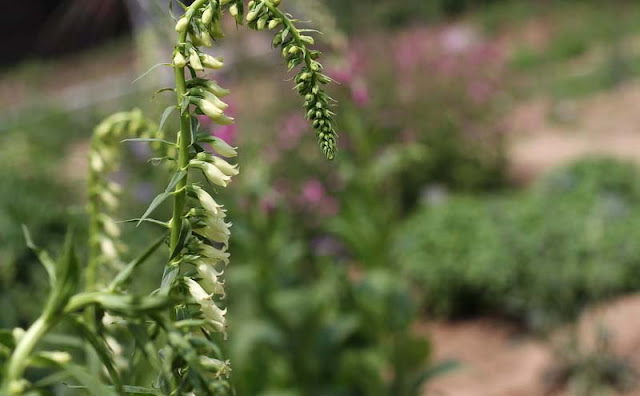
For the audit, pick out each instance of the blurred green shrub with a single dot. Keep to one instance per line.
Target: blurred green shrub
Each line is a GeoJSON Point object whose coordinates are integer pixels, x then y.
{"type": "Point", "coordinates": [539, 257]}
{"type": "Point", "coordinates": [306, 324]}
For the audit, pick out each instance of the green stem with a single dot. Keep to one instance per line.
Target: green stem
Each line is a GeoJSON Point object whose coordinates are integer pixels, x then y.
{"type": "Point", "coordinates": [94, 230]}
{"type": "Point", "coordinates": [19, 359]}
{"type": "Point", "coordinates": [184, 137]}
{"type": "Point", "coordinates": [286, 21]}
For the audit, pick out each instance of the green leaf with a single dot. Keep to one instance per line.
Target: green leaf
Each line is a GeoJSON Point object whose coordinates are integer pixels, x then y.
{"type": "Point", "coordinates": [161, 90]}
{"type": "Point", "coordinates": [130, 305]}
{"type": "Point", "coordinates": [150, 351]}
{"type": "Point", "coordinates": [150, 70]}
{"type": "Point", "coordinates": [90, 383]}
{"type": "Point", "coordinates": [184, 106]}
{"type": "Point", "coordinates": [102, 351]}
{"type": "Point", "coordinates": [123, 276]}
{"type": "Point", "coordinates": [67, 276]}
{"type": "Point", "coordinates": [43, 256]}
{"type": "Point", "coordinates": [195, 125]}
{"type": "Point", "coordinates": [161, 197]}
{"type": "Point", "coordinates": [170, 274]}
{"type": "Point", "coordinates": [167, 112]}
{"type": "Point", "coordinates": [53, 379]}
{"type": "Point", "coordinates": [148, 140]}
{"type": "Point", "coordinates": [185, 233]}
{"type": "Point", "coordinates": [139, 390]}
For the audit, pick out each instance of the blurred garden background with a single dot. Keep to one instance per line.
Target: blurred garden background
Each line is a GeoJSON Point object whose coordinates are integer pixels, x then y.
{"type": "Point", "coordinates": [478, 233]}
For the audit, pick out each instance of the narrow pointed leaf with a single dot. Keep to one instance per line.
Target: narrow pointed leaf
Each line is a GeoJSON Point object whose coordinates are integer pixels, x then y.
{"type": "Point", "coordinates": [167, 112]}
{"type": "Point", "coordinates": [89, 382]}
{"type": "Point", "coordinates": [123, 276]}
{"type": "Point", "coordinates": [161, 197]}
{"type": "Point", "coordinates": [44, 258]}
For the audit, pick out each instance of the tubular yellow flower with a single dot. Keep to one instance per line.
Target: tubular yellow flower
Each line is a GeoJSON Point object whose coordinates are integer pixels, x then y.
{"type": "Point", "coordinates": [212, 253]}
{"type": "Point", "coordinates": [233, 10]}
{"type": "Point", "coordinates": [212, 172]}
{"type": "Point", "coordinates": [207, 16]}
{"type": "Point", "coordinates": [225, 167]}
{"type": "Point", "coordinates": [207, 202]}
{"type": "Point", "coordinates": [194, 60]}
{"type": "Point", "coordinates": [196, 291]}
{"type": "Point", "coordinates": [205, 39]}
{"type": "Point", "coordinates": [179, 60]}
{"type": "Point", "coordinates": [208, 108]}
{"type": "Point", "coordinates": [211, 62]}
{"type": "Point", "coordinates": [209, 279]}
{"type": "Point", "coordinates": [221, 147]}
{"type": "Point", "coordinates": [182, 25]}
{"type": "Point", "coordinates": [110, 226]}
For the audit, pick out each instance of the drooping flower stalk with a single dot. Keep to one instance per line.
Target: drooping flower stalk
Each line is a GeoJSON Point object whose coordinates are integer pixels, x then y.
{"type": "Point", "coordinates": [310, 79]}
{"type": "Point", "coordinates": [105, 246]}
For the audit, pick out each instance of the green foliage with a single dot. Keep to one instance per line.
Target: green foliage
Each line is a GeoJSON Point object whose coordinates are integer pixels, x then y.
{"type": "Point", "coordinates": [591, 371]}
{"type": "Point", "coordinates": [538, 257]}
{"type": "Point", "coordinates": [306, 325]}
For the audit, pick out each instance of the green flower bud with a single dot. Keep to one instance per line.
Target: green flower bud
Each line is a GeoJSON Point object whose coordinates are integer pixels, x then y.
{"type": "Point", "coordinates": [293, 49]}
{"type": "Point", "coordinates": [277, 40]}
{"type": "Point", "coordinates": [209, 97]}
{"type": "Point", "coordinates": [274, 23]}
{"type": "Point", "coordinates": [179, 60]}
{"type": "Point", "coordinates": [194, 60]}
{"type": "Point", "coordinates": [208, 108]}
{"type": "Point", "coordinates": [206, 200]}
{"type": "Point", "coordinates": [205, 39]}
{"type": "Point", "coordinates": [207, 16]}
{"type": "Point", "coordinates": [233, 10]}
{"type": "Point", "coordinates": [182, 25]}
{"type": "Point", "coordinates": [252, 15]}
{"type": "Point", "coordinates": [211, 62]}
{"type": "Point", "coordinates": [225, 167]}
{"type": "Point", "coordinates": [307, 40]}
{"type": "Point", "coordinates": [221, 147]}
{"type": "Point", "coordinates": [210, 86]}
{"type": "Point", "coordinates": [213, 174]}
{"type": "Point", "coordinates": [262, 22]}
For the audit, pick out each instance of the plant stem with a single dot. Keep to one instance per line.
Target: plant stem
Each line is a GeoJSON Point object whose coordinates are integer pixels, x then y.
{"type": "Point", "coordinates": [19, 359]}
{"type": "Point", "coordinates": [184, 136]}
{"type": "Point", "coordinates": [94, 228]}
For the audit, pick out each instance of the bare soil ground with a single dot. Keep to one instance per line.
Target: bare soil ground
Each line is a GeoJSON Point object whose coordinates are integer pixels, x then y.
{"type": "Point", "coordinates": [604, 124]}
{"type": "Point", "coordinates": [498, 360]}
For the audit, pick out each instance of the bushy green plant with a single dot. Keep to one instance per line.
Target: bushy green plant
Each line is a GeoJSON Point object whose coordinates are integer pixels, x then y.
{"type": "Point", "coordinates": [310, 326]}
{"type": "Point", "coordinates": [539, 257]}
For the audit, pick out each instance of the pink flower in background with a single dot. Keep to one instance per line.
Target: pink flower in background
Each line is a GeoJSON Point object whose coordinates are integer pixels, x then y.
{"type": "Point", "coordinates": [292, 129]}
{"type": "Point", "coordinates": [313, 191]}
{"type": "Point", "coordinates": [314, 197]}
{"type": "Point", "coordinates": [228, 133]}
{"type": "Point", "coordinates": [457, 39]}
{"type": "Point", "coordinates": [360, 93]}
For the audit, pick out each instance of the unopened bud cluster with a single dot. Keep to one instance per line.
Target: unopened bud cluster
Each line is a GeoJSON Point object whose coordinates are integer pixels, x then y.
{"type": "Point", "coordinates": [294, 45]}
{"type": "Point", "coordinates": [103, 193]}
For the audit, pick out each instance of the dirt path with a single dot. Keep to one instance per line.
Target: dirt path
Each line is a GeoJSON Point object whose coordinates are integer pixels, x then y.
{"type": "Point", "coordinates": [607, 123]}
{"type": "Point", "coordinates": [499, 361]}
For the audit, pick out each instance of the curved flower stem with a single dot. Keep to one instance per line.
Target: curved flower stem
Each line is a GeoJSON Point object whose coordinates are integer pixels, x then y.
{"type": "Point", "coordinates": [19, 359]}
